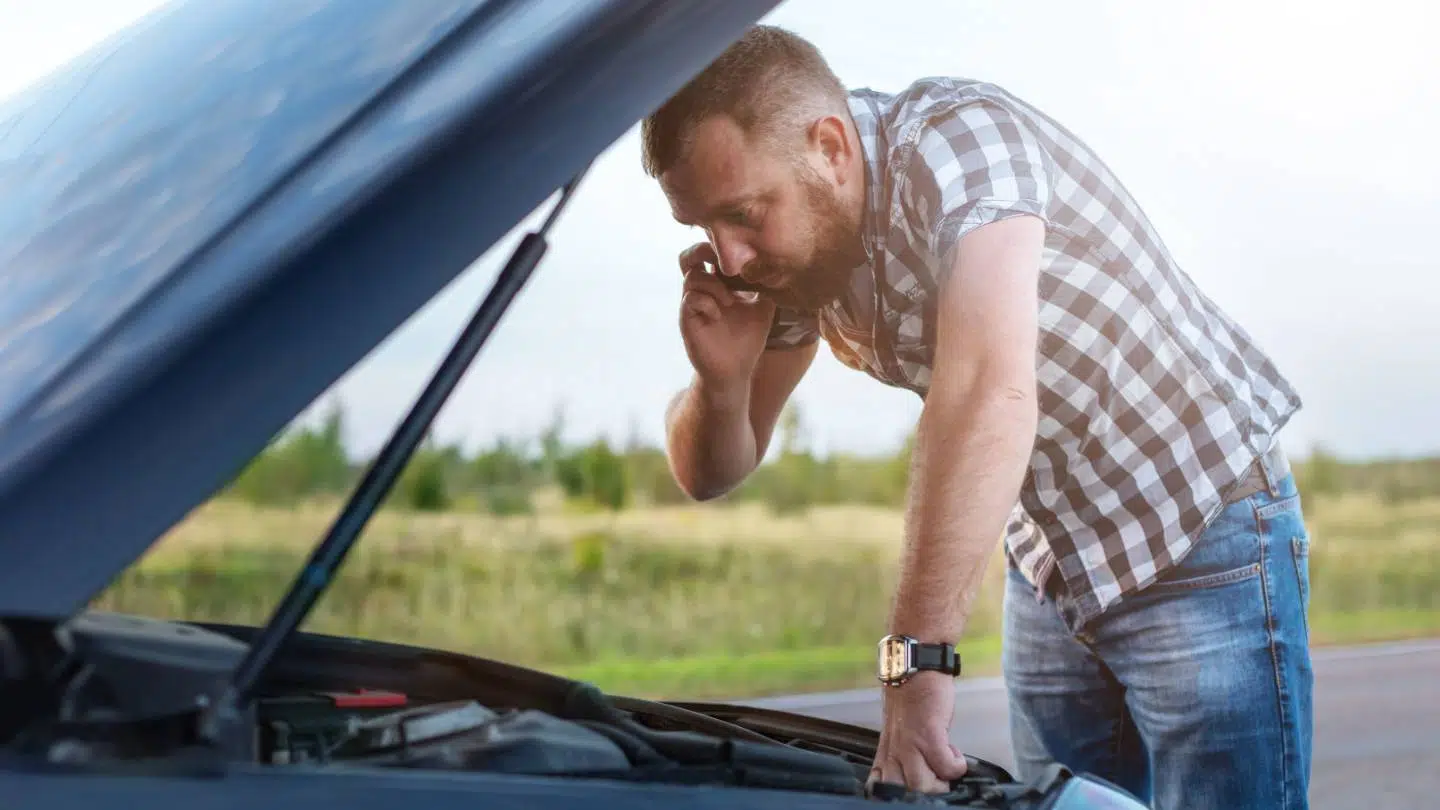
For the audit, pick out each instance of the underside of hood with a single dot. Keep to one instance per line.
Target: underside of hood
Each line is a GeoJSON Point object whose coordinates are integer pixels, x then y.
{"type": "Point", "coordinates": [209, 219]}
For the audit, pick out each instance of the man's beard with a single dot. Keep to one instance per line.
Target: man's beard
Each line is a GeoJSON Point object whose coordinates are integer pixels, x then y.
{"type": "Point", "coordinates": [838, 251]}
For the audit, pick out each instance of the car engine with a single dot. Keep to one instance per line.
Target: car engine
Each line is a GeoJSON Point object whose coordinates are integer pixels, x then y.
{"type": "Point", "coordinates": [107, 691]}
{"type": "Point", "coordinates": [357, 728]}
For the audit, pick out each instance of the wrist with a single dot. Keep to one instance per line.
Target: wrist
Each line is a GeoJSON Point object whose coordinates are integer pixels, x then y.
{"type": "Point", "coordinates": [901, 658]}
{"type": "Point", "coordinates": [926, 680]}
{"type": "Point", "coordinates": [726, 396]}
{"type": "Point", "coordinates": [931, 629]}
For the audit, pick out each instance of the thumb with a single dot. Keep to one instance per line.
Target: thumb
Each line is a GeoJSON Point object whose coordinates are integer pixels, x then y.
{"type": "Point", "coordinates": [946, 761]}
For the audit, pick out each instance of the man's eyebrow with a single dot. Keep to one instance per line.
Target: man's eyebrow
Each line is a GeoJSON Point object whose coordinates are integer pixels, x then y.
{"type": "Point", "coordinates": [731, 204]}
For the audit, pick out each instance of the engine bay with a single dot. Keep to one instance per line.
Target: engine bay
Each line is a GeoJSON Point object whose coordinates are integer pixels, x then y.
{"type": "Point", "coordinates": [107, 692]}
{"type": "Point", "coordinates": [356, 729]}
{"type": "Point", "coordinates": [379, 728]}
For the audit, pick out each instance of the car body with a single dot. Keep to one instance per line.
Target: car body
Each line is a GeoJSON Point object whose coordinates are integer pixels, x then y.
{"type": "Point", "coordinates": [205, 221]}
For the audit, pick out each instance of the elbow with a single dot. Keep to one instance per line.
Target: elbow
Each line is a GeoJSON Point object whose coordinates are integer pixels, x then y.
{"type": "Point", "coordinates": [697, 486]}
{"type": "Point", "coordinates": [1006, 388]}
{"type": "Point", "coordinates": [703, 489]}
{"type": "Point", "coordinates": [1016, 401]}
{"type": "Point", "coordinates": [708, 494]}
{"type": "Point", "coordinates": [1021, 399]}
{"type": "Point", "coordinates": [690, 484]}
{"type": "Point", "coordinates": [704, 493]}
{"type": "Point", "coordinates": [1003, 400]}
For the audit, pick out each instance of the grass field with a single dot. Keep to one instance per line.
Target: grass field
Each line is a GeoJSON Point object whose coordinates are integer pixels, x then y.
{"type": "Point", "coordinates": [693, 601]}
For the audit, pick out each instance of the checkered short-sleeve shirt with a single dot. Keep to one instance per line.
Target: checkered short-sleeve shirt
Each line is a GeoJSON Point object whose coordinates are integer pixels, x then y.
{"type": "Point", "coordinates": [1153, 402]}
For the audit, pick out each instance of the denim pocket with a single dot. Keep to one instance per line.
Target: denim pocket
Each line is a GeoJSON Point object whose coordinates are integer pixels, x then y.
{"type": "Point", "coordinates": [1283, 521]}
{"type": "Point", "coordinates": [1178, 584]}
{"type": "Point", "coordinates": [1227, 552]}
{"type": "Point", "coordinates": [1294, 527]}
{"type": "Point", "coordinates": [1286, 508]}
{"type": "Point", "coordinates": [1300, 550]}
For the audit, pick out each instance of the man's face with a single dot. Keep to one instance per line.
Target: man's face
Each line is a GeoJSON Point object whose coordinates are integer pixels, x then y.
{"type": "Point", "coordinates": [774, 216]}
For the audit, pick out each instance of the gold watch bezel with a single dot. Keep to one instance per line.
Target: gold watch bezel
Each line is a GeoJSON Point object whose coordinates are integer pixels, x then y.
{"type": "Point", "coordinates": [895, 659]}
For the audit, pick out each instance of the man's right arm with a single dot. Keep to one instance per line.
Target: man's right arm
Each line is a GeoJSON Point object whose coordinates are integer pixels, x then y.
{"type": "Point", "coordinates": [717, 436]}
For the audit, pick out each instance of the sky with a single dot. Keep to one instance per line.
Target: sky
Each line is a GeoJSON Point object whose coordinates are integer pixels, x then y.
{"type": "Point", "coordinates": [1286, 151]}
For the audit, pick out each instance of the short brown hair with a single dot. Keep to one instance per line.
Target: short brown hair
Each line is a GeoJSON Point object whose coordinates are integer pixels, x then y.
{"type": "Point", "coordinates": [770, 81]}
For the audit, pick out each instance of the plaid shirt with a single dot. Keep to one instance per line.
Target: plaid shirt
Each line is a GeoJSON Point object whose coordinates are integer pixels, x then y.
{"type": "Point", "coordinates": [1153, 403]}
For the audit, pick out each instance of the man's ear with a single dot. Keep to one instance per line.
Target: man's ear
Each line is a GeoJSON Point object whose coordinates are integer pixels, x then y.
{"type": "Point", "coordinates": [828, 138]}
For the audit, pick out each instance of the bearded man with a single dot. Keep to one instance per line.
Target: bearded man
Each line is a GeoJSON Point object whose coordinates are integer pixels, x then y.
{"type": "Point", "coordinates": [1083, 399]}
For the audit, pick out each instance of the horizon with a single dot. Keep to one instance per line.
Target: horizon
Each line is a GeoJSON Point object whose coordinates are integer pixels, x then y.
{"type": "Point", "coordinates": [1283, 183]}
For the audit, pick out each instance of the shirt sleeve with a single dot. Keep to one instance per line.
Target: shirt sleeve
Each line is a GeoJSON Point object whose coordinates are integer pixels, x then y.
{"type": "Point", "coordinates": [973, 164]}
{"type": "Point", "coordinates": [790, 329]}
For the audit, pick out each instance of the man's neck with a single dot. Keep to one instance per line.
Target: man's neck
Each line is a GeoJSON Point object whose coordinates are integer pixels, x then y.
{"type": "Point", "coordinates": [859, 170]}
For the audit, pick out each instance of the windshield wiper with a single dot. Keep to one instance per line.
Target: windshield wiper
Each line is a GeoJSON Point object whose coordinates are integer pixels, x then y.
{"type": "Point", "coordinates": [325, 560]}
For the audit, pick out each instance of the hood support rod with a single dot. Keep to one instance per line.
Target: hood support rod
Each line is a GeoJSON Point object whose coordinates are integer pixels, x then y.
{"type": "Point", "coordinates": [379, 479]}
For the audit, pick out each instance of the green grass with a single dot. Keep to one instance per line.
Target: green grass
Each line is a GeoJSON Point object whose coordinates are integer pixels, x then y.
{"type": "Point", "coordinates": [759, 674]}
{"type": "Point", "coordinates": [1373, 625]}
{"type": "Point", "coordinates": [851, 667]}
{"type": "Point", "coordinates": [595, 598]}
{"type": "Point", "coordinates": [696, 601]}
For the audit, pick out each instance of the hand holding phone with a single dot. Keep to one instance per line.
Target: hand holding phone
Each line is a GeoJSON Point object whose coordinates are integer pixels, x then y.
{"type": "Point", "coordinates": [724, 332]}
{"type": "Point", "coordinates": [737, 284]}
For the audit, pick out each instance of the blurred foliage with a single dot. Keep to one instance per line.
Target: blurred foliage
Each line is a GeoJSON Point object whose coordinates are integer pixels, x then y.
{"type": "Point", "coordinates": [473, 553]}
{"type": "Point", "coordinates": [299, 464]}
{"type": "Point", "coordinates": [502, 479]}
{"type": "Point", "coordinates": [309, 462]}
{"type": "Point", "coordinates": [650, 585]}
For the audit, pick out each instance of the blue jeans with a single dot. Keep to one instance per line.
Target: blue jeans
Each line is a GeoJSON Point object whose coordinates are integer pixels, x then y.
{"type": "Point", "coordinates": [1193, 694]}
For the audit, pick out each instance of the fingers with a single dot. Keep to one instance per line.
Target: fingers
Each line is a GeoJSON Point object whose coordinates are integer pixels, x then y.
{"type": "Point", "coordinates": [945, 761]}
{"type": "Point", "coordinates": [707, 284]}
{"type": "Point", "coordinates": [882, 773]}
{"type": "Point", "coordinates": [884, 770]}
{"type": "Point", "coordinates": [960, 757]}
{"type": "Point", "coordinates": [922, 767]}
{"type": "Point", "coordinates": [695, 262]}
{"type": "Point", "coordinates": [918, 774]}
{"type": "Point", "coordinates": [910, 771]}
{"type": "Point", "coordinates": [700, 305]}
{"type": "Point", "coordinates": [696, 257]}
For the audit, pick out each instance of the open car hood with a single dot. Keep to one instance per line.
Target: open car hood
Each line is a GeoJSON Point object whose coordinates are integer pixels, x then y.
{"type": "Point", "coordinates": [208, 219]}
{"type": "Point", "coordinates": [204, 223]}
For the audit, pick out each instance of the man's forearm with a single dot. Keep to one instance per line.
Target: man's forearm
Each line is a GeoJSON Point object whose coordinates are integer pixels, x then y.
{"type": "Point", "coordinates": [711, 439]}
{"type": "Point", "coordinates": [970, 457]}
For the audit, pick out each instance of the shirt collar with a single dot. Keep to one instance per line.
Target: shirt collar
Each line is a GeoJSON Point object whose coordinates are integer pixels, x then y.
{"type": "Point", "coordinates": [866, 118]}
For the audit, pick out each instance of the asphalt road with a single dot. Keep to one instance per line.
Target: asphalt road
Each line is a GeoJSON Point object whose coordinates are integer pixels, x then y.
{"type": "Point", "coordinates": [1377, 724]}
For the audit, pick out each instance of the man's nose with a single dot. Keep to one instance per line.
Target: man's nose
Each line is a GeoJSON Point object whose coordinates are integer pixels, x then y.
{"type": "Point", "coordinates": [733, 255]}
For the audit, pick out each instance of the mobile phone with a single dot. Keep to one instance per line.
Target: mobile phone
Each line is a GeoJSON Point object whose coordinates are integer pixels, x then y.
{"type": "Point", "coordinates": [732, 283]}
{"type": "Point", "coordinates": [738, 284]}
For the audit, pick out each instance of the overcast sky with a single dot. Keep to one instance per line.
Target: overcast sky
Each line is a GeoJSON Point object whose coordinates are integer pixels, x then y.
{"type": "Point", "coordinates": [1286, 150]}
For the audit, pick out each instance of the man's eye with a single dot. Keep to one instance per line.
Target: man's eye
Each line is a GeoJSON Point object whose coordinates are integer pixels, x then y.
{"type": "Point", "coordinates": [740, 217]}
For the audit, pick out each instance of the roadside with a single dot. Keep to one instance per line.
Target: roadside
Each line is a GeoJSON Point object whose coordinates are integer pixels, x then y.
{"type": "Point", "coordinates": [697, 601]}
{"type": "Point", "coordinates": [826, 669]}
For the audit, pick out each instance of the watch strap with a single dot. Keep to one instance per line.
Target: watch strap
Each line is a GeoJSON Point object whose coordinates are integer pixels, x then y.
{"type": "Point", "coordinates": [937, 658]}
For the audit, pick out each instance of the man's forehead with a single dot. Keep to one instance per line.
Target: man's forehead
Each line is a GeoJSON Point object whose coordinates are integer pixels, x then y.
{"type": "Point", "coordinates": [716, 168]}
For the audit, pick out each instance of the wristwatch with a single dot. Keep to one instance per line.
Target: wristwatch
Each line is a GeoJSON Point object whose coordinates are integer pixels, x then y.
{"type": "Point", "coordinates": [902, 656]}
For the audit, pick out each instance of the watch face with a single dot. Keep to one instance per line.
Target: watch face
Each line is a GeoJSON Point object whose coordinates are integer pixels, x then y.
{"type": "Point", "coordinates": [894, 659]}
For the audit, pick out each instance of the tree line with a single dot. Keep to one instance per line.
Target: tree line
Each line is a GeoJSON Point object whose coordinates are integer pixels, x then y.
{"type": "Point", "coordinates": [307, 462]}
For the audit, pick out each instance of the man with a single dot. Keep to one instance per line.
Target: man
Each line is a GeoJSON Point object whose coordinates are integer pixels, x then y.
{"type": "Point", "coordinates": [1082, 399]}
